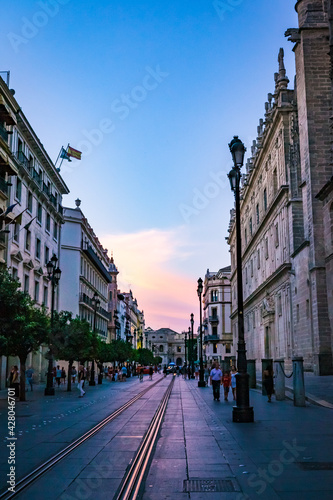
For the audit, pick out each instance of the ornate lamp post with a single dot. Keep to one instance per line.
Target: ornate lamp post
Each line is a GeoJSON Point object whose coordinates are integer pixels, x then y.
{"type": "Point", "coordinates": [54, 274]}
{"type": "Point", "coordinates": [192, 344]}
{"type": "Point", "coordinates": [201, 382]}
{"type": "Point", "coordinates": [96, 303]}
{"type": "Point", "coordinates": [242, 412]}
{"type": "Point", "coordinates": [185, 367]}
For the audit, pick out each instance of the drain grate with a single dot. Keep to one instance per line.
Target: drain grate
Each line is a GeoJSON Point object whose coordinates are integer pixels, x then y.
{"type": "Point", "coordinates": [315, 465]}
{"type": "Point", "coordinates": [209, 485]}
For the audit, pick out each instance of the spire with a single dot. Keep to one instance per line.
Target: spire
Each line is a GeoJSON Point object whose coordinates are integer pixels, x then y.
{"type": "Point", "coordinates": [281, 80]}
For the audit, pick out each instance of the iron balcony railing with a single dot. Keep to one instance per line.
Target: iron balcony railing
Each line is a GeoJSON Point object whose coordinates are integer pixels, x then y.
{"type": "Point", "coordinates": [36, 177]}
{"type": "Point", "coordinates": [211, 338]}
{"type": "Point", "coordinates": [87, 300]}
{"type": "Point", "coordinates": [23, 160]}
{"type": "Point", "coordinates": [45, 189]}
{"type": "Point", "coordinates": [213, 319]}
{"type": "Point", "coordinates": [53, 200]}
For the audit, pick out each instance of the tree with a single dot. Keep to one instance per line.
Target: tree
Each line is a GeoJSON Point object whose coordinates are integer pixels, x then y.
{"type": "Point", "coordinates": [145, 357]}
{"type": "Point", "coordinates": [121, 351]}
{"type": "Point", "coordinates": [23, 326]}
{"type": "Point", "coordinates": [104, 355]}
{"type": "Point", "coordinates": [72, 340]}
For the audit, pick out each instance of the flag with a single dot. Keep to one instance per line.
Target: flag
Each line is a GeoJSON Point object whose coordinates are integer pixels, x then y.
{"type": "Point", "coordinates": [29, 224]}
{"type": "Point", "coordinates": [64, 154]}
{"type": "Point", "coordinates": [8, 210]}
{"type": "Point", "coordinates": [18, 218]}
{"type": "Point", "coordinates": [74, 153]}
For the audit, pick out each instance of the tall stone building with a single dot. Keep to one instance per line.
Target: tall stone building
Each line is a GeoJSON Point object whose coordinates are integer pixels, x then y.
{"type": "Point", "coordinates": [286, 208]}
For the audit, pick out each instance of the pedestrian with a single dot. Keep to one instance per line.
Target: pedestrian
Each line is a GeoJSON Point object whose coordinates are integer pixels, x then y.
{"type": "Point", "coordinates": [196, 373]}
{"type": "Point", "coordinates": [234, 372]}
{"type": "Point", "coordinates": [151, 372]}
{"type": "Point", "coordinates": [141, 374]}
{"type": "Point", "coordinates": [216, 380]}
{"type": "Point", "coordinates": [189, 372]}
{"type": "Point", "coordinates": [268, 382]}
{"type": "Point", "coordinates": [73, 374]}
{"type": "Point", "coordinates": [206, 375]}
{"type": "Point", "coordinates": [226, 381]}
{"type": "Point", "coordinates": [54, 374]}
{"type": "Point", "coordinates": [63, 375]}
{"type": "Point", "coordinates": [29, 376]}
{"type": "Point", "coordinates": [16, 381]}
{"type": "Point", "coordinates": [81, 379]}
{"type": "Point", "coordinates": [10, 377]}
{"type": "Point", "coordinates": [124, 373]}
{"type": "Point", "coordinates": [58, 375]}
{"type": "Point", "coordinates": [165, 371]}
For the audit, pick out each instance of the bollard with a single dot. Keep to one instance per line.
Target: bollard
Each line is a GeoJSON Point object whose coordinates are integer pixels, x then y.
{"type": "Point", "coordinates": [251, 370]}
{"type": "Point", "coordinates": [264, 364]}
{"type": "Point", "coordinates": [280, 383]}
{"type": "Point", "coordinates": [298, 382]}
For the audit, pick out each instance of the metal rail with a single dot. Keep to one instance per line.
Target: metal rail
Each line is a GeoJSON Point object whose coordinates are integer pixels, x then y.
{"type": "Point", "coordinates": [130, 487]}
{"type": "Point", "coordinates": [51, 462]}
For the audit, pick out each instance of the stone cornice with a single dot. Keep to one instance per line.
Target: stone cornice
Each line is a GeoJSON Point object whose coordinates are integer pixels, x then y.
{"type": "Point", "coordinates": [305, 244]}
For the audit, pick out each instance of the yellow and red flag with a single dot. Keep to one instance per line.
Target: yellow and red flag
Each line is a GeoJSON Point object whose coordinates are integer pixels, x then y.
{"type": "Point", "coordinates": [74, 153]}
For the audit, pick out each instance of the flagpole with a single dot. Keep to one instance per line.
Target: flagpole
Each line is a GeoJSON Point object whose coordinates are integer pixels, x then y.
{"type": "Point", "coordinates": [24, 227]}
{"type": "Point", "coordinates": [58, 156]}
{"type": "Point", "coordinates": [62, 159]}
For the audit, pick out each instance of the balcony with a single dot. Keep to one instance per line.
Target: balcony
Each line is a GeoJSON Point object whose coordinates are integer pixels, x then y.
{"type": "Point", "coordinates": [211, 338]}
{"type": "Point", "coordinates": [4, 133]}
{"type": "Point", "coordinates": [213, 319]}
{"type": "Point", "coordinates": [53, 200]}
{"type": "Point", "coordinates": [87, 300]}
{"type": "Point", "coordinates": [36, 177]}
{"type": "Point", "coordinates": [23, 160]}
{"type": "Point", "coordinates": [45, 189]}
{"type": "Point", "coordinates": [3, 186]}
{"type": "Point", "coordinates": [227, 337]}
{"type": "Point", "coordinates": [60, 209]}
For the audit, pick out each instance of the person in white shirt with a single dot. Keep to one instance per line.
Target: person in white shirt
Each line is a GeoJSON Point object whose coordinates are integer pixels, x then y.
{"type": "Point", "coordinates": [216, 381]}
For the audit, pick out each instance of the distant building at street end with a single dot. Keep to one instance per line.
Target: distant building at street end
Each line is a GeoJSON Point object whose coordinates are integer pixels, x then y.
{"type": "Point", "coordinates": [218, 341]}
{"type": "Point", "coordinates": [287, 208]}
{"type": "Point", "coordinates": [85, 271]}
{"type": "Point", "coordinates": [167, 344]}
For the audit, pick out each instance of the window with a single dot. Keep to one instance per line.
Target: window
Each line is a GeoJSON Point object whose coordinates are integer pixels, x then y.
{"type": "Point", "coordinates": [29, 202]}
{"type": "Point", "coordinates": [297, 313]}
{"type": "Point", "coordinates": [266, 248]}
{"type": "Point", "coordinates": [280, 304]}
{"type": "Point", "coordinates": [276, 235]}
{"type": "Point", "coordinates": [161, 348]}
{"type": "Point", "coordinates": [18, 190]}
{"type": "Point", "coordinates": [36, 293]}
{"type": "Point", "coordinates": [245, 233]}
{"type": "Point", "coordinates": [179, 348]}
{"type": "Point", "coordinates": [215, 348]}
{"type": "Point", "coordinates": [214, 296]}
{"type": "Point", "coordinates": [251, 264]}
{"type": "Point", "coordinates": [39, 213]}
{"type": "Point", "coordinates": [274, 182]}
{"type": "Point", "coordinates": [47, 255]}
{"type": "Point", "coordinates": [14, 273]}
{"type": "Point", "coordinates": [258, 258]}
{"type": "Point", "coordinates": [227, 348]}
{"type": "Point", "coordinates": [48, 222]}
{"type": "Point", "coordinates": [248, 322]}
{"type": "Point", "coordinates": [250, 226]}
{"type": "Point", "coordinates": [214, 312]}
{"type": "Point", "coordinates": [38, 247]}
{"type": "Point", "coordinates": [253, 319]}
{"type": "Point", "coordinates": [45, 295]}
{"type": "Point", "coordinates": [265, 199]}
{"type": "Point", "coordinates": [16, 232]}
{"type": "Point", "coordinates": [307, 309]}
{"type": "Point", "coordinates": [246, 279]}
{"type": "Point", "coordinates": [55, 230]}
{"type": "Point", "coordinates": [27, 240]}
{"type": "Point", "coordinates": [214, 331]}
{"type": "Point", "coordinates": [26, 283]}
{"type": "Point", "coordinates": [257, 214]}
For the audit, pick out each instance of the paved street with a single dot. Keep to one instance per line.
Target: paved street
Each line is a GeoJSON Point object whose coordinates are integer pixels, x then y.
{"type": "Point", "coordinates": [278, 456]}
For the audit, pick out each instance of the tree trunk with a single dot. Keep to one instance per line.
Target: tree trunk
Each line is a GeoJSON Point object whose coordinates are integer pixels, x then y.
{"type": "Point", "coordinates": [69, 376]}
{"type": "Point", "coordinates": [22, 378]}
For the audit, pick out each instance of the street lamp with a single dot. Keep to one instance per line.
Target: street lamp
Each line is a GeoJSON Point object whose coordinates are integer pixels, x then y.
{"type": "Point", "coordinates": [116, 324]}
{"type": "Point", "coordinates": [96, 303]}
{"type": "Point", "coordinates": [201, 382]}
{"type": "Point", "coordinates": [185, 367]}
{"type": "Point", "coordinates": [242, 412]}
{"type": "Point", "coordinates": [192, 344]}
{"type": "Point", "coordinates": [54, 274]}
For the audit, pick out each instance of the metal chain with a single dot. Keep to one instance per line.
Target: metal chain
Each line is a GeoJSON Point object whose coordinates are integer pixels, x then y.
{"type": "Point", "coordinates": [287, 376]}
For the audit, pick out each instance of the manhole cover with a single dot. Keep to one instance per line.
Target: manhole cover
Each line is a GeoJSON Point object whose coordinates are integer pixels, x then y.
{"type": "Point", "coordinates": [315, 465]}
{"type": "Point", "coordinates": [209, 485]}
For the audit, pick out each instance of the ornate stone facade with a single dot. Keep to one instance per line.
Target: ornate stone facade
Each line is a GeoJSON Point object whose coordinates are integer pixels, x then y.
{"type": "Point", "coordinates": [287, 270]}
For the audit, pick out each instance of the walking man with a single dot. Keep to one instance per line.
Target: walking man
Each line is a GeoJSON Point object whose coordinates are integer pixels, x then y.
{"type": "Point", "coordinates": [81, 377]}
{"type": "Point", "coordinates": [216, 381]}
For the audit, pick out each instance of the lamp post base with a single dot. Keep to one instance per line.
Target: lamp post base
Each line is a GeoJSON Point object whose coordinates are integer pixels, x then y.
{"type": "Point", "coordinates": [100, 379]}
{"type": "Point", "coordinates": [201, 383]}
{"type": "Point", "coordinates": [49, 391]}
{"type": "Point", "coordinates": [92, 382]}
{"type": "Point", "coordinates": [242, 415]}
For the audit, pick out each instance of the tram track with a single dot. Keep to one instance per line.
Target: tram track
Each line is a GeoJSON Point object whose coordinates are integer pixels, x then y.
{"type": "Point", "coordinates": [27, 480]}
{"type": "Point", "coordinates": [131, 484]}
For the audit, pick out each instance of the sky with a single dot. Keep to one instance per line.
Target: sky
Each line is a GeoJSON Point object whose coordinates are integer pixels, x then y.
{"type": "Point", "coordinates": [151, 92]}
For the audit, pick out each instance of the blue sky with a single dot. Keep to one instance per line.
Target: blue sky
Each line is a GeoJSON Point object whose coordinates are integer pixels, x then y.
{"type": "Point", "coordinates": [74, 65]}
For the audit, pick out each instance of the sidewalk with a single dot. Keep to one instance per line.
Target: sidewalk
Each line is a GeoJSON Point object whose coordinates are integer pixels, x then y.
{"type": "Point", "coordinates": [286, 453]}
{"type": "Point", "coordinates": [318, 390]}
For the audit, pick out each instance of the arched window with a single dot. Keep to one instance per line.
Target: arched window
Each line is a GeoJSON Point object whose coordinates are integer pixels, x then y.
{"type": "Point", "coordinates": [161, 348]}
